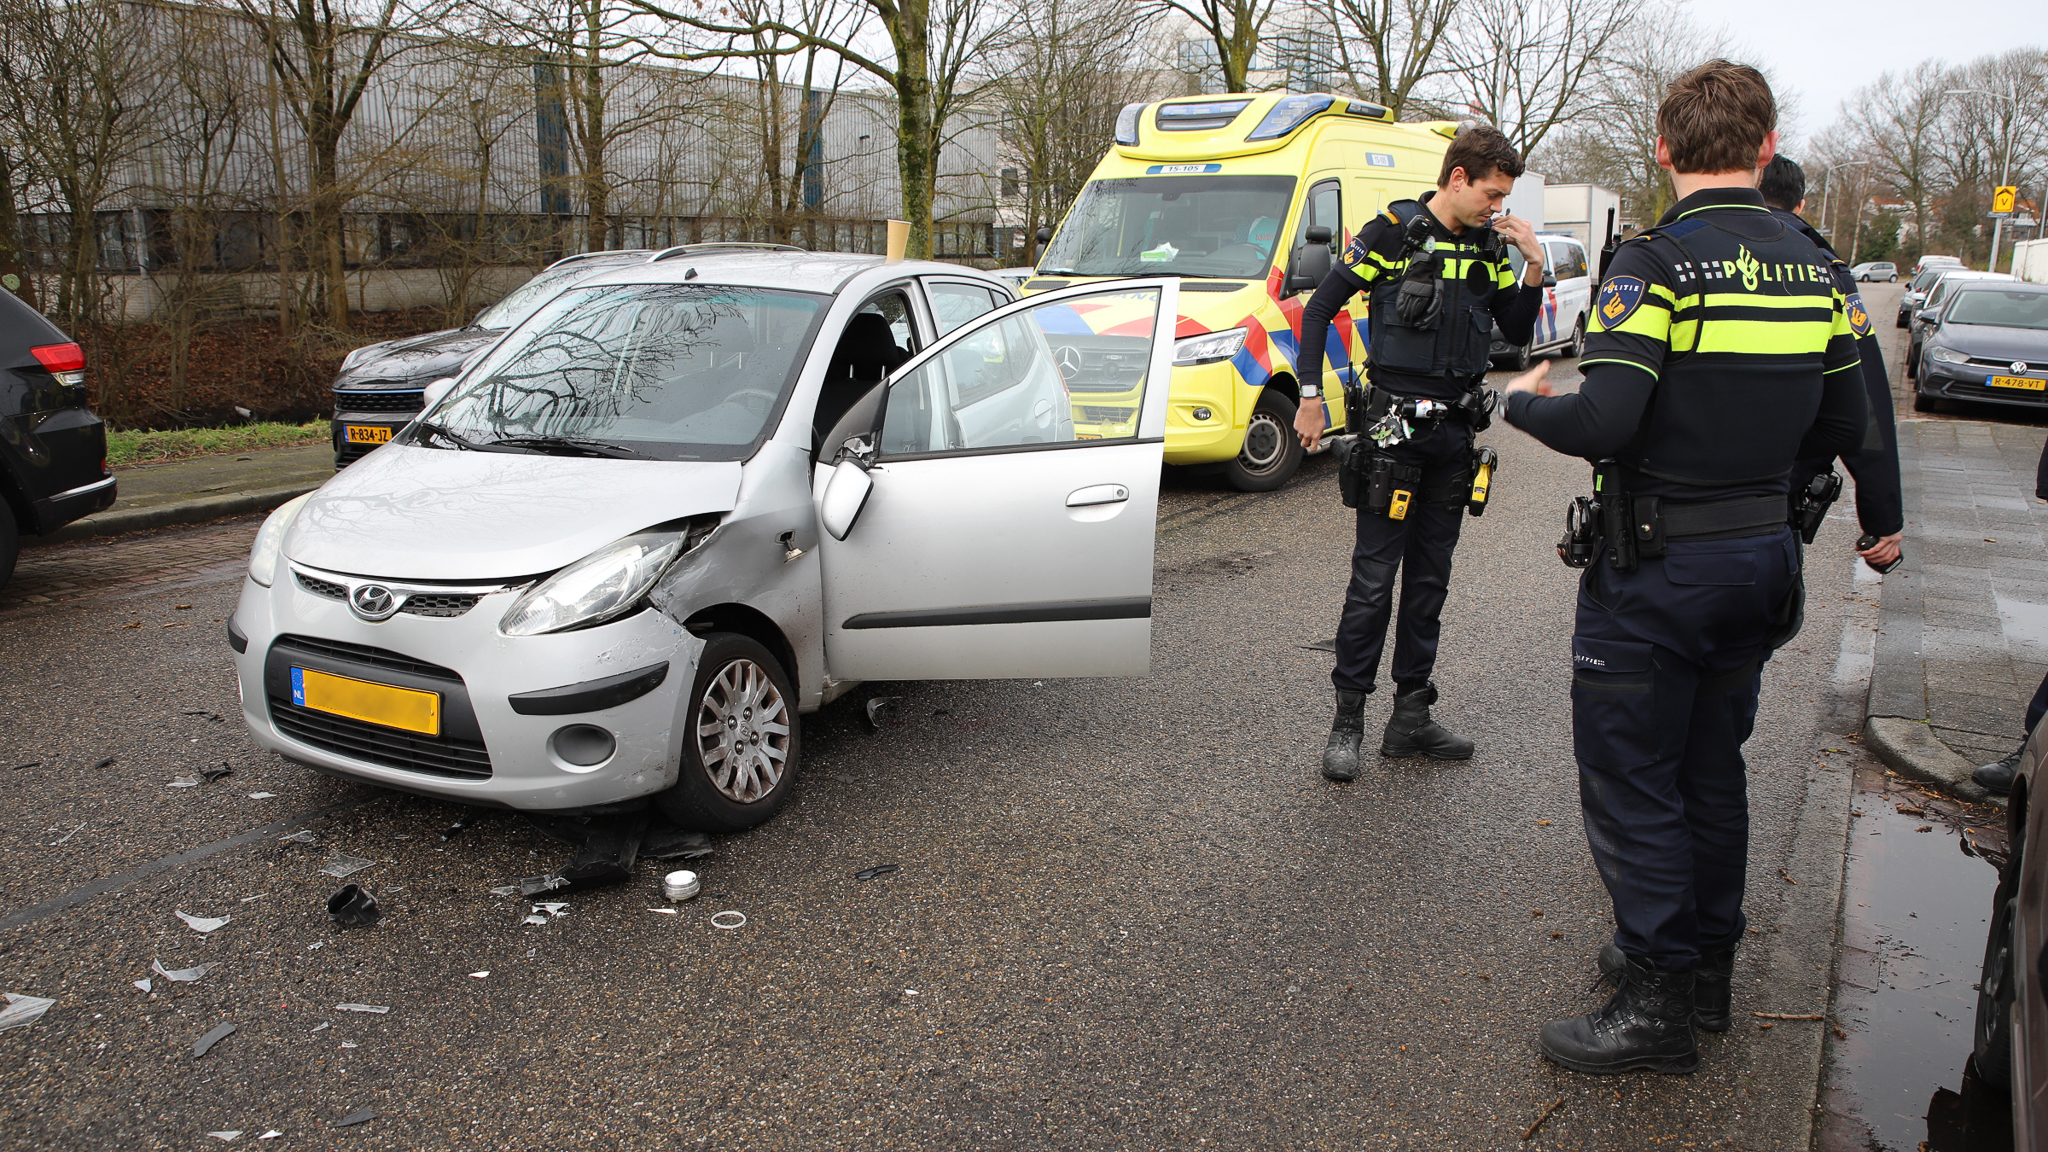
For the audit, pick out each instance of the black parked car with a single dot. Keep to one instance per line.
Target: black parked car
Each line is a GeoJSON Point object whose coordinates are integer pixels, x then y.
{"type": "Point", "coordinates": [382, 385]}
{"type": "Point", "coordinates": [1988, 344]}
{"type": "Point", "coordinates": [53, 450]}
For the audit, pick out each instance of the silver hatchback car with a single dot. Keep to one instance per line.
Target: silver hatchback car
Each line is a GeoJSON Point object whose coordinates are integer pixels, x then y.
{"type": "Point", "coordinates": [692, 499]}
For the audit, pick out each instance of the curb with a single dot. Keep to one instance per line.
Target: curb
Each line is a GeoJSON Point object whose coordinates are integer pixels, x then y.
{"type": "Point", "coordinates": [122, 520]}
{"type": "Point", "coordinates": [1911, 749]}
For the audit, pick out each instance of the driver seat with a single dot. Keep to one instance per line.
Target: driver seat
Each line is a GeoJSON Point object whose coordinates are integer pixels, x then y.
{"type": "Point", "coordinates": [867, 351]}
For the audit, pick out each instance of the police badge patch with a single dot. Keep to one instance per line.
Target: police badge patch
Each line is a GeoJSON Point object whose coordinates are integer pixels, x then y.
{"type": "Point", "coordinates": [1619, 299]}
{"type": "Point", "coordinates": [1859, 316]}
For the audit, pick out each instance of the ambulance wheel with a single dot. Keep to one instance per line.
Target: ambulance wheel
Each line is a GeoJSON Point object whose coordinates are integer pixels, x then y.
{"type": "Point", "coordinates": [1272, 452]}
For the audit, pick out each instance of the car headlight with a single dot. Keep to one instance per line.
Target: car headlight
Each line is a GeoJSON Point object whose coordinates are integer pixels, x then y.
{"type": "Point", "coordinates": [1946, 355]}
{"type": "Point", "coordinates": [1209, 347]}
{"type": "Point", "coordinates": [270, 540]}
{"type": "Point", "coordinates": [604, 585]}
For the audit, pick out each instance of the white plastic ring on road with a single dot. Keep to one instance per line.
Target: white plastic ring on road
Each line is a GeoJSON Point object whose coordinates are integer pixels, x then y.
{"type": "Point", "coordinates": [717, 920]}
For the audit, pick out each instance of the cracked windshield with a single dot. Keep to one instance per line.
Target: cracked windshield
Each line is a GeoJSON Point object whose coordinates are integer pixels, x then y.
{"type": "Point", "coordinates": [1214, 226]}
{"type": "Point", "coordinates": [673, 371]}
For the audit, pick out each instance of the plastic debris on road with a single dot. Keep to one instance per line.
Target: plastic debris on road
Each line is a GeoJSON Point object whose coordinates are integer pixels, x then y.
{"type": "Point", "coordinates": [362, 1117]}
{"type": "Point", "coordinates": [353, 906]}
{"type": "Point", "coordinates": [878, 707]}
{"type": "Point", "coordinates": [665, 911]}
{"type": "Point", "coordinates": [480, 975]}
{"type": "Point", "coordinates": [506, 890]}
{"type": "Point", "coordinates": [375, 1009]}
{"type": "Point", "coordinates": [204, 1044]}
{"type": "Point", "coordinates": [181, 975]}
{"type": "Point", "coordinates": [535, 885]}
{"type": "Point", "coordinates": [541, 914]}
{"type": "Point", "coordinates": [261, 795]}
{"type": "Point", "coordinates": [107, 761]}
{"type": "Point", "coordinates": [877, 870]}
{"type": "Point", "coordinates": [718, 920]}
{"type": "Point", "coordinates": [146, 984]}
{"type": "Point", "coordinates": [23, 1010]}
{"type": "Point", "coordinates": [302, 836]}
{"type": "Point", "coordinates": [227, 1135]}
{"type": "Point", "coordinates": [203, 923]}
{"type": "Point", "coordinates": [270, 1135]}
{"type": "Point", "coordinates": [68, 836]}
{"type": "Point", "coordinates": [681, 885]}
{"type": "Point", "coordinates": [344, 864]}
{"type": "Point", "coordinates": [183, 782]}
{"type": "Point", "coordinates": [212, 774]}
{"type": "Point", "coordinates": [322, 1026]}
{"type": "Point", "coordinates": [671, 843]}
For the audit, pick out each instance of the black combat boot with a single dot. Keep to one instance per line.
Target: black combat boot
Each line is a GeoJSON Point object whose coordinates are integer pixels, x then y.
{"type": "Point", "coordinates": [1646, 1027]}
{"type": "Point", "coordinates": [1997, 776]}
{"type": "Point", "coordinates": [1347, 732]}
{"type": "Point", "coordinates": [1410, 731]}
{"type": "Point", "coordinates": [1713, 992]}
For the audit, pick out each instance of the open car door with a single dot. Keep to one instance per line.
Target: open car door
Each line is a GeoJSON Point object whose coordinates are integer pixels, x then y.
{"type": "Point", "coordinates": [990, 511]}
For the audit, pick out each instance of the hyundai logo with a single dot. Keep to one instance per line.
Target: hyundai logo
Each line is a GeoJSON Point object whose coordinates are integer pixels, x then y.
{"type": "Point", "coordinates": [373, 602]}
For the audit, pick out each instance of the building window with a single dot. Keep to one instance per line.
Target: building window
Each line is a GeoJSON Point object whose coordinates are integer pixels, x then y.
{"type": "Point", "coordinates": [1010, 191]}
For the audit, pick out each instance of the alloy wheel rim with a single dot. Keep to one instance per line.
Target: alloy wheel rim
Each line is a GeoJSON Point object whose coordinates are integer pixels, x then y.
{"type": "Point", "coordinates": [1263, 446]}
{"type": "Point", "coordinates": [743, 728]}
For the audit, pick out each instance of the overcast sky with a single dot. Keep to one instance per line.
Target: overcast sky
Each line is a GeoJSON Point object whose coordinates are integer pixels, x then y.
{"type": "Point", "coordinates": [1828, 51]}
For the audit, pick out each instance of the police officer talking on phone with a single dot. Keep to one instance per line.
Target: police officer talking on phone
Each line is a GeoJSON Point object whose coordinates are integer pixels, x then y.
{"type": "Point", "coordinates": [1439, 277]}
{"type": "Point", "coordinates": [1721, 352]}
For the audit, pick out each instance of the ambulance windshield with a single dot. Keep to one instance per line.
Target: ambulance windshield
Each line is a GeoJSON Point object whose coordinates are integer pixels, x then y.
{"type": "Point", "coordinates": [1206, 225]}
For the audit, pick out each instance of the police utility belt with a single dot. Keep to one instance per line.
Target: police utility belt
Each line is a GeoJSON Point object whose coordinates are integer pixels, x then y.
{"type": "Point", "coordinates": [1631, 528]}
{"type": "Point", "coordinates": [1372, 480]}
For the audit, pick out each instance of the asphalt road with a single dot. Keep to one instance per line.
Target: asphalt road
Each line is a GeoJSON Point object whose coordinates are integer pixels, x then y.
{"type": "Point", "coordinates": [1130, 913]}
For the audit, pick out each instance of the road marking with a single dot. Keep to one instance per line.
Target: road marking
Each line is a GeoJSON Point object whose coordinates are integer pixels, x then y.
{"type": "Point", "coordinates": [79, 896]}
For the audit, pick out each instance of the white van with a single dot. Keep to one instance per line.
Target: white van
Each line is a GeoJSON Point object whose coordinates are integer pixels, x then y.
{"type": "Point", "coordinates": [1567, 300]}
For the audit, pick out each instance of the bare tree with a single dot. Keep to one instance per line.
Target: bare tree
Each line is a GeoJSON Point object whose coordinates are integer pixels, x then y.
{"type": "Point", "coordinates": [1899, 122]}
{"type": "Point", "coordinates": [1389, 48]}
{"type": "Point", "coordinates": [934, 47]}
{"type": "Point", "coordinates": [1233, 27]}
{"type": "Point", "coordinates": [1527, 67]}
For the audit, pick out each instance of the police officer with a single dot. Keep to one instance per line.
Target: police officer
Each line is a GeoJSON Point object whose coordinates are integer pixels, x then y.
{"type": "Point", "coordinates": [1439, 278]}
{"type": "Point", "coordinates": [1880, 509]}
{"type": "Point", "coordinates": [1721, 352]}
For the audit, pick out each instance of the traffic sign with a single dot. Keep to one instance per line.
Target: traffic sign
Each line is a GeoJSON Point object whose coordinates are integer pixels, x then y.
{"type": "Point", "coordinates": [2002, 200]}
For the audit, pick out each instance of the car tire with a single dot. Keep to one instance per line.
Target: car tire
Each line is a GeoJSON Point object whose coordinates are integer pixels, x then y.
{"type": "Point", "coordinates": [1272, 452]}
{"type": "Point", "coordinates": [1993, 1052]}
{"type": "Point", "coordinates": [1922, 402]}
{"type": "Point", "coordinates": [1577, 347]}
{"type": "Point", "coordinates": [10, 543]}
{"type": "Point", "coordinates": [1517, 360]}
{"type": "Point", "coordinates": [1891, 280]}
{"type": "Point", "coordinates": [1901, 321]}
{"type": "Point", "coordinates": [741, 741]}
{"type": "Point", "coordinates": [1912, 361]}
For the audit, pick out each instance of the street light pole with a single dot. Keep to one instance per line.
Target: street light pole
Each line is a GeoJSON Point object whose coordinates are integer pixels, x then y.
{"type": "Point", "coordinates": [2005, 171]}
{"type": "Point", "coordinates": [1828, 191]}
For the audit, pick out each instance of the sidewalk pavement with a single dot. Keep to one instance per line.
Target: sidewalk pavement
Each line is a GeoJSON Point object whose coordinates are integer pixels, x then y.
{"type": "Point", "coordinates": [203, 488]}
{"type": "Point", "coordinates": [1963, 624]}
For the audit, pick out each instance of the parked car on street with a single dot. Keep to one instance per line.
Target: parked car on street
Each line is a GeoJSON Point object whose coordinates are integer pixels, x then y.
{"type": "Point", "coordinates": [2011, 1049]}
{"type": "Point", "coordinates": [1988, 343]}
{"type": "Point", "coordinates": [678, 507]}
{"type": "Point", "coordinates": [1937, 296]}
{"type": "Point", "coordinates": [1916, 293]}
{"type": "Point", "coordinates": [1926, 262]}
{"type": "Point", "coordinates": [53, 450]}
{"type": "Point", "coordinates": [379, 387]}
{"type": "Point", "coordinates": [1875, 270]}
{"type": "Point", "coordinates": [1567, 300]}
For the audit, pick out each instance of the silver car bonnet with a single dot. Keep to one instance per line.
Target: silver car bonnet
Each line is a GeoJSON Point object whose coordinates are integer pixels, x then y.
{"type": "Point", "coordinates": [409, 513]}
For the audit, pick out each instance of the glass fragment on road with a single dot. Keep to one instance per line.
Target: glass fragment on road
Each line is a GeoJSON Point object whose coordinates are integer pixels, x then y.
{"type": "Point", "coordinates": [203, 923]}
{"type": "Point", "coordinates": [146, 984]}
{"type": "Point", "coordinates": [535, 885]}
{"type": "Point", "coordinates": [302, 836]}
{"type": "Point", "coordinates": [181, 975]}
{"type": "Point", "coordinates": [878, 707]}
{"type": "Point", "coordinates": [183, 782]}
{"type": "Point", "coordinates": [375, 1009]}
{"type": "Point", "coordinates": [204, 1044]}
{"type": "Point", "coordinates": [23, 1010]}
{"type": "Point", "coordinates": [344, 864]}
{"type": "Point", "coordinates": [226, 1134]}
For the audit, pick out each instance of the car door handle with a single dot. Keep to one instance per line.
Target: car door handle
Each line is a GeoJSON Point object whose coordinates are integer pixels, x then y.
{"type": "Point", "coordinates": [1098, 494]}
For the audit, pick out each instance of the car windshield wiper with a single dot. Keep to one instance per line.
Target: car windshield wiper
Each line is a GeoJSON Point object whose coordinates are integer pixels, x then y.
{"type": "Point", "coordinates": [442, 433]}
{"type": "Point", "coordinates": [573, 445]}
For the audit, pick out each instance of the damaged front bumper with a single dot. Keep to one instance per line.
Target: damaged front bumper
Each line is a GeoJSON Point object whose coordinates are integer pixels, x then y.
{"type": "Point", "coordinates": [568, 720]}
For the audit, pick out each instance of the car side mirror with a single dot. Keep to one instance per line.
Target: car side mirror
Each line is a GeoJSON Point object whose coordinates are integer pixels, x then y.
{"type": "Point", "coordinates": [846, 493]}
{"type": "Point", "coordinates": [1311, 261]}
{"type": "Point", "coordinates": [433, 393]}
{"type": "Point", "coordinates": [1925, 316]}
{"type": "Point", "coordinates": [1045, 235]}
{"type": "Point", "coordinates": [1549, 278]}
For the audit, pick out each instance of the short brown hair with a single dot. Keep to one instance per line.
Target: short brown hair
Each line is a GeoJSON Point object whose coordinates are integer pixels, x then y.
{"type": "Point", "coordinates": [1715, 117]}
{"type": "Point", "coordinates": [1481, 150]}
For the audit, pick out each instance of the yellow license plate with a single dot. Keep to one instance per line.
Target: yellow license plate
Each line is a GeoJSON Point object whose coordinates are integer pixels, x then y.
{"type": "Point", "coordinates": [369, 433]}
{"type": "Point", "coordinates": [406, 708]}
{"type": "Point", "coordinates": [2017, 382]}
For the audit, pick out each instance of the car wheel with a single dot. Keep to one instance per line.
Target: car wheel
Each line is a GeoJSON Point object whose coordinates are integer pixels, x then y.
{"type": "Point", "coordinates": [10, 544]}
{"type": "Point", "coordinates": [1995, 985]}
{"type": "Point", "coordinates": [1901, 321]}
{"type": "Point", "coordinates": [1912, 361]}
{"type": "Point", "coordinates": [1271, 452]}
{"type": "Point", "coordinates": [1577, 347]}
{"type": "Point", "coordinates": [1922, 402]}
{"type": "Point", "coordinates": [1517, 360]}
{"type": "Point", "coordinates": [741, 741]}
{"type": "Point", "coordinates": [1891, 280]}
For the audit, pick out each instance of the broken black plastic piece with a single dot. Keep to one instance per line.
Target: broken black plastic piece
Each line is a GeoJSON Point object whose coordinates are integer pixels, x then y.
{"type": "Point", "coordinates": [213, 774]}
{"type": "Point", "coordinates": [107, 761]}
{"type": "Point", "coordinates": [204, 1044]}
{"type": "Point", "coordinates": [353, 907]}
{"type": "Point", "coordinates": [362, 1117]}
{"type": "Point", "coordinates": [666, 842]}
{"type": "Point", "coordinates": [877, 870]}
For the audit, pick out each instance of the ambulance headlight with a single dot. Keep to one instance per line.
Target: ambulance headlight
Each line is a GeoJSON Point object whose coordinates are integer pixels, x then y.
{"type": "Point", "coordinates": [1209, 347]}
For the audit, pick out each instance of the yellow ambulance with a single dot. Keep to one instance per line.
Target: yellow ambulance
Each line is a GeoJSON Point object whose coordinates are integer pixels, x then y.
{"type": "Point", "coordinates": [1207, 188]}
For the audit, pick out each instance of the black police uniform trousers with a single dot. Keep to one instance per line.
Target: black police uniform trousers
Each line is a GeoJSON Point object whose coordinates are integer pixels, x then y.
{"type": "Point", "coordinates": [1660, 709]}
{"type": "Point", "coordinates": [1419, 545]}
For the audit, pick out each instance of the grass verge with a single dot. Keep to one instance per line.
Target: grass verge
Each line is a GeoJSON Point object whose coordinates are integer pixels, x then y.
{"type": "Point", "coordinates": [129, 448]}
